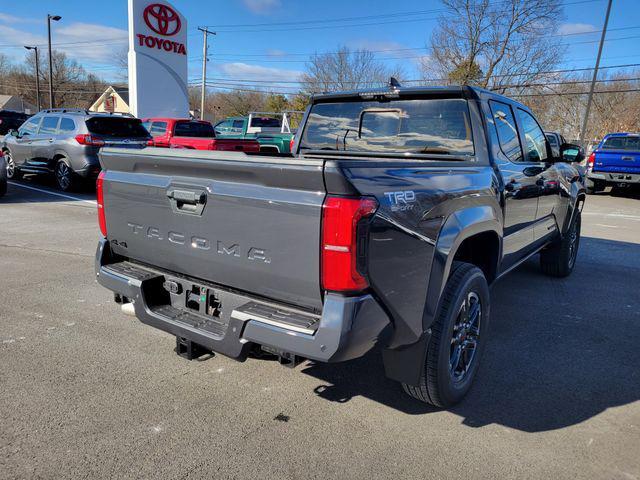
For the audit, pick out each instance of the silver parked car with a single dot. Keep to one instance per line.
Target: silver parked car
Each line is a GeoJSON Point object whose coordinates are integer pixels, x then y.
{"type": "Point", "coordinates": [66, 142]}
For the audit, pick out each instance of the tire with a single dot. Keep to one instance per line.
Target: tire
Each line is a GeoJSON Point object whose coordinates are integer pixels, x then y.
{"type": "Point", "coordinates": [13, 173]}
{"type": "Point", "coordinates": [444, 382]}
{"type": "Point", "coordinates": [65, 177]}
{"type": "Point", "coordinates": [559, 259]}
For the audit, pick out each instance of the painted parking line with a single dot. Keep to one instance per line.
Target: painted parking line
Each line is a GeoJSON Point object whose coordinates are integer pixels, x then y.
{"type": "Point", "coordinates": [70, 197]}
{"type": "Point", "coordinates": [614, 215]}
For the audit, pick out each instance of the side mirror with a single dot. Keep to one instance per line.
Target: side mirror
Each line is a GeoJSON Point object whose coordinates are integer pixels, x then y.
{"type": "Point", "coordinates": [570, 152]}
{"type": "Point", "coordinates": [13, 132]}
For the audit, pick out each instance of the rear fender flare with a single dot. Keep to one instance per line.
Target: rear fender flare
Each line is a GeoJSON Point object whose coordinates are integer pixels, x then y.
{"type": "Point", "coordinates": [406, 363]}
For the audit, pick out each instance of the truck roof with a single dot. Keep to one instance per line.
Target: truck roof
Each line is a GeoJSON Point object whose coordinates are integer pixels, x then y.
{"type": "Point", "coordinates": [463, 91]}
{"type": "Point", "coordinates": [622, 134]}
{"type": "Point", "coordinates": [171, 119]}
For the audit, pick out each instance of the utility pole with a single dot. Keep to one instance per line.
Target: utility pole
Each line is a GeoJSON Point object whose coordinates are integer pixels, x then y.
{"type": "Point", "coordinates": [35, 48]}
{"type": "Point", "coordinates": [55, 18]}
{"type": "Point", "coordinates": [583, 132]}
{"type": "Point", "coordinates": [203, 94]}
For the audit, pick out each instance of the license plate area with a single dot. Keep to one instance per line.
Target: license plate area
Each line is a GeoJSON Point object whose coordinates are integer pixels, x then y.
{"type": "Point", "coordinates": [194, 298]}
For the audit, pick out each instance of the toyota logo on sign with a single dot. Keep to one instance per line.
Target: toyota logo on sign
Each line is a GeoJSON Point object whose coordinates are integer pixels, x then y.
{"type": "Point", "coordinates": [162, 19]}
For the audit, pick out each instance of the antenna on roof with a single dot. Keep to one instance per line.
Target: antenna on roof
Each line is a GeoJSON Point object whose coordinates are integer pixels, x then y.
{"type": "Point", "coordinates": [394, 83]}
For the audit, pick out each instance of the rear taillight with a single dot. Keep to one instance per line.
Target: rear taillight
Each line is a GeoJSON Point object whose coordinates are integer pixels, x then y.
{"type": "Point", "coordinates": [591, 160]}
{"type": "Point", "coordinates": [102, 221]}
{"type": "Point", "coordinates": [291, 142]}
{"type": "Point", "coordinates": [341, 244]}
{"type": "Point", "coordinates": [90, 140]}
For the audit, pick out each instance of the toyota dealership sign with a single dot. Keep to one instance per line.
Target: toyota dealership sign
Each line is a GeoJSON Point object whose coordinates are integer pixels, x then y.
{"type": "Point", "coordinates": [157, 60]}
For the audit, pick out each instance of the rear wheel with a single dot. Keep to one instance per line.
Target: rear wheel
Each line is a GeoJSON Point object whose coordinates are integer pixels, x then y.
{"type": "Point", "coordinates": [558, 260]}
{"type": "Point", "coordinates": [457, 340]}
{"type": "Point", "coordinates": [64, 176]}
{"type": "Point", "coordinates": [12, 171]}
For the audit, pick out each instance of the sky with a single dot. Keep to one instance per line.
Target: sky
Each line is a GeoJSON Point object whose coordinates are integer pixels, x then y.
{"type": "Point", "coordinates": [270, 40]}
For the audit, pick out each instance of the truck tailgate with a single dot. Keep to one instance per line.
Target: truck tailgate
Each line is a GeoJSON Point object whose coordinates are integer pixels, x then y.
{"type": "Point", "coordinates": [617, 161]}
{"type": "Point", "coordinates": [250, 223]}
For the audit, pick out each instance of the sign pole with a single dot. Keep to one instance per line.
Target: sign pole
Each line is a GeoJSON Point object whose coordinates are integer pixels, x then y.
{"type": "Point", "coordinates": [203, 93]}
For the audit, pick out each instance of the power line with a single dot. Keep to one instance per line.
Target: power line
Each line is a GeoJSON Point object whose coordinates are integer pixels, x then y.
{"type": "Point", "coordinates": [317, 24]}
{"type": "Point", "coordinates": [199, 58]}
{"type": "Point", "coordinates": [562, 94]}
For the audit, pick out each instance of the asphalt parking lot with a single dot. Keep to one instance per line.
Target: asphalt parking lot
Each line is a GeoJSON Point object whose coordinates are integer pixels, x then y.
{"type": "Point", "coordinates": [87, 392]}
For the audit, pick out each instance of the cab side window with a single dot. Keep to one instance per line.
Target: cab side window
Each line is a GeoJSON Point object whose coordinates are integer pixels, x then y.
{"type": "Point", "coordinates": [223, 127]}
{"type": "Point", "coordinates": [507, 131]}
{"type": "Point", "coordinates": [536, 144]}
{"type": "Point", "coordinates": [158, 129]}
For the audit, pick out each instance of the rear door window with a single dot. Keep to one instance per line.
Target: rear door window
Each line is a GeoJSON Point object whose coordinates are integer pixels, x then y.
{"type": "Point", "coordinates": [193, 129]}
{"type": "Point", "coordinates": [412, 126]}
{"type": "Point", "coordinates": [116, 127]}
{"type": "Point", "coordinates": [505, 125]}
{"type": "Point", "coordinates": [265, 122]}
{"type": "Point", "coordinates": [49, 125]}
{"type": "Point", "coordinates": [622, 143]}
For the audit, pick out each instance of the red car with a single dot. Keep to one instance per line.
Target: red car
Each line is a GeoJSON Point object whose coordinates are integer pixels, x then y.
{"type": "Point", "coordinates": [193, 134]}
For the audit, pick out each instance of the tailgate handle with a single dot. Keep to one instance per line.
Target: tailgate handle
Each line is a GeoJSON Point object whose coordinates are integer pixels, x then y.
{"type": "Point", "coordinates": [187, 201]}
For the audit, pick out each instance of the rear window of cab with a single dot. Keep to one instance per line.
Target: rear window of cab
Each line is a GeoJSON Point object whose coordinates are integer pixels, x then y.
{"type": "Point", "coordinates": [412, 126]}
{"type": "Point", "coordinates": [631, 142]}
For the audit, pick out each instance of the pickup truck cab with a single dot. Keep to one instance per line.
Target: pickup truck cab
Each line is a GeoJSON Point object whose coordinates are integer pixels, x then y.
{"type": "Point", "coordinates": [193, 134]}
{"type": "Point", "coordinates": [401, 208]}
{"type": "Point", "coordinates": [273, 131]}
{"type": "Point", "coordinates": [614, 162]}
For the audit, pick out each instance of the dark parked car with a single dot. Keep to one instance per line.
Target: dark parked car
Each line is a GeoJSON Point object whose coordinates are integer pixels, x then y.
{"type": "Point", "coordinates": [11, 120]}
{"type": "Point", "coordinates": [66, 142]}
{"type": "Point", "coordinates": [399, 210]}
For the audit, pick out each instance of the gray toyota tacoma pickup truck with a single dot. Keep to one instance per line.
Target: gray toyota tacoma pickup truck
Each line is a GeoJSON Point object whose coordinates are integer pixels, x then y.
{"type": "Point", "coordinates": [399, 209]}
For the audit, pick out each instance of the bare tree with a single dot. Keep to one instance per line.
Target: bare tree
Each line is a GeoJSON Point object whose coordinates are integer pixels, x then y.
{"type": "Point", "coordinates": [122, 63]}
{"type": "Point", "coordinates": [345, 70]}
{"type": "Point", "coordinates": [496, 44]}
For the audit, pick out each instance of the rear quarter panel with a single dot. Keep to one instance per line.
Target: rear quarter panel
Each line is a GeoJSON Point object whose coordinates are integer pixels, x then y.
{"type": "Point", "coordinates": [415, 201]}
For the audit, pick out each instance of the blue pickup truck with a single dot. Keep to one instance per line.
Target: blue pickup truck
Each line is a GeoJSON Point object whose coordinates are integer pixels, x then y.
{"type": "Point", "coordinates": [615, 162]}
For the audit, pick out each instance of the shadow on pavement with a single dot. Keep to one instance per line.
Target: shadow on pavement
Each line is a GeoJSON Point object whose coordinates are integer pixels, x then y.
{"type": "Point", "coordinates": [560, 350]}
{"type": "Point", "coordinates": [17, 191]}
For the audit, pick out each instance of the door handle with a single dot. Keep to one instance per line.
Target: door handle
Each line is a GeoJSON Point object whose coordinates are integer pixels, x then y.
{"type": "Point", "coordinates": [51, 140]}
{"type": "Point", "coordinates": [187, 201]}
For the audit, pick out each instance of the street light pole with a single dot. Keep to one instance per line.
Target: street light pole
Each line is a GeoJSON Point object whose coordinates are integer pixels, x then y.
{"type": "Point", "coordinates": [203, 93]}
{"type": "Point", "coordinates": [55, 18]}
{"type": "Point", "coordinates": [583, 132]}
{"type": "Point", "coordinates": [35, 48]}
